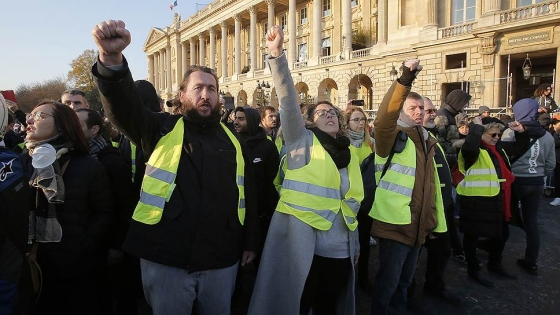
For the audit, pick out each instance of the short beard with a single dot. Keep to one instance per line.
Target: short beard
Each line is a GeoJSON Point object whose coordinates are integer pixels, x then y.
{"type": "Point", "coordinates": [191, 112]}
{"type": "Point", "coordinates": [430, 125]}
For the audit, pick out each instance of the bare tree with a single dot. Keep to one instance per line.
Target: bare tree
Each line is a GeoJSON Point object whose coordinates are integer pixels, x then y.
{"type": "Point", "coordinates": [29, 95]}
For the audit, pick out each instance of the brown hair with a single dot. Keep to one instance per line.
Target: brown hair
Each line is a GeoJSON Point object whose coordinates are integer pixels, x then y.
{"type": "Point", "coordinates": [195, 68]}
{"type": "Point", "coordinates": [541, 89]}
{"type": "Point", "coordinates": [67, 123]}
{"type": "Point", "coordinates": [309, 112]}
{"type": "Point", "coordinates": [93, 119]}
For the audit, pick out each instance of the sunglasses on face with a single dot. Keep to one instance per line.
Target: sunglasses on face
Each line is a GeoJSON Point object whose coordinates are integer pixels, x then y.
{"type": "Point", "coordinates": [324, 112]}
{"type": "Point", "coordinates": [358, 120]}
{"type": "Point", "coordinates": [37, 116]}
{"type": "Point", "coordinates": [494, 135]}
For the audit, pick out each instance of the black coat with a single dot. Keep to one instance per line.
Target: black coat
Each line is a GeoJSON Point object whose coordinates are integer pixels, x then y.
{"type": "Point", "coordinates": [199, 228]}
{"type": "Point", "coordinates": [85, 217]}
{"type": "Point", "coordinates": [481, 216]}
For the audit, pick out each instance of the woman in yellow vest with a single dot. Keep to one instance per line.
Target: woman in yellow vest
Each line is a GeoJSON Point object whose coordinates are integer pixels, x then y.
{"type": "Point", "coordinates": [312, 244]}
{"type": "Point", "coordinates": [485, 196]}
{"type": "Point", "coordinates": [356, 127]}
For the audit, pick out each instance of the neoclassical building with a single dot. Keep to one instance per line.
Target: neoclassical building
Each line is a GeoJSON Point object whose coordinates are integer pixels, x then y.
{"type": "Point", "coordinates": [497, 50]}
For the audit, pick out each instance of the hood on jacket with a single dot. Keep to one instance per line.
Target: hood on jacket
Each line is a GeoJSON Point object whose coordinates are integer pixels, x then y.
{"type": "Point", "coordinates": [148, 95]}
{"type": "Point", "coordinates": [457, 99]}
{"type": "Point", "coordinates": [461, 119]}
{"type": "Point", "coordinates": [525, 110]}
{"type": "Point", "coordinates": [253, 119]}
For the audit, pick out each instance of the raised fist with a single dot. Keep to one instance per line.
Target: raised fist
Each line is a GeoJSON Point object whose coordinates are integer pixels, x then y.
{"type": "Point", "coordinates": [111, 37]}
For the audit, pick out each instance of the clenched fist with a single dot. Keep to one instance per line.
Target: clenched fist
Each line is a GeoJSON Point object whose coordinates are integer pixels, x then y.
{"type": "Point", "coordinates": [274, 41]}
{"type": "Point", "coordinates": [111, 37]}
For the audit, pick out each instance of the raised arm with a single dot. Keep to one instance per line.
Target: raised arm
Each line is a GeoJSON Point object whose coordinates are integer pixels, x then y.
{"type": "Point", "coordinates": [290, 113]}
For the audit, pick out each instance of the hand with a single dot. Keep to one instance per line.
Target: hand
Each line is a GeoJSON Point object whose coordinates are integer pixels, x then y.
{"type": "Point", "coordinates": [516, 126]}
{"type": "Point", "coordinates": [274, 41]}
{"type": "Point", "coordinates": [542, 110]}
{"type": "Point", "coordinates": [248, 256]}
{"type": "Point", "coordinates": [12, 106]}
{"type": "Point", "coordinates": [111, 37]}
{"type": "Point", "coordinates": [413, 65]}
{"type": "Point", "coordinates": [477, 120]}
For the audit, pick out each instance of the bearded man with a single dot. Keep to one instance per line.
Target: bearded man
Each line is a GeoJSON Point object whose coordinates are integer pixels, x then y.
{"type": "Point", "coordinates": [196, 219]}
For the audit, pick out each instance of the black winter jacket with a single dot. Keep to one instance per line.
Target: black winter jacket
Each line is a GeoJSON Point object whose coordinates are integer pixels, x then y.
{"type": "Point", "coordinates": [85, 217]}
{"type": "Point", "coordinates": [199, 228]}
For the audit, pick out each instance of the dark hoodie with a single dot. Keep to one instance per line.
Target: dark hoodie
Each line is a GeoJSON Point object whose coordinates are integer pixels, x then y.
{"type": "Point", "coordinates": [265, 160]}
{"type": "Point", "coordinates": [454, 104]}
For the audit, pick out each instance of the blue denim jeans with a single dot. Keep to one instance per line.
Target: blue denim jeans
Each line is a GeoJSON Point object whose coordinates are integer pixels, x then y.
{"type": "Point", "coordinates": [171, 290]}
{"type": "Point", "coordinates": [397, 263]}
{"type": "Point", "coordinates": [530, 197]}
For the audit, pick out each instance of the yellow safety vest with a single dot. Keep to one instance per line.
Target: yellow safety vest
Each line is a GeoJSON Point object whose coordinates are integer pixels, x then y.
{"type": "Point", "coordinates": [159, 180]}
{"type": "Point", "coordinates": [481, 178]}
{"type": "Point", "coordinates": [362, 152]}
{"type": "Point", "coordinates": [394, 191]}
{"type": "Point", "coordinates": [312, 193]}
{"type": "Point", "coordinates": [132, 157]}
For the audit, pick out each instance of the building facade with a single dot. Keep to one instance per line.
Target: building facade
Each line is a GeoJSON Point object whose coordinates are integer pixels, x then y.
{"type": "Point", "coordinates": [353, 49]}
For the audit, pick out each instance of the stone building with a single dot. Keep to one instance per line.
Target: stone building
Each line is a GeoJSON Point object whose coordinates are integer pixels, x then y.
{"type": "Point", "coordinates": [341, 50]}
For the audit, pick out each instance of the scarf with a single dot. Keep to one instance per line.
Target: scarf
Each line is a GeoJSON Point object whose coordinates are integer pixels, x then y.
{"type": "Point", "coordinates": [43, 223]}
{"type": "Point", "coordinates": [96, 145]}
{"type": "Point", "coordinates": [506, 186]}
{"type": "Point", "coordinates": [338, 148]}
{"type": "Point", "coordinates": [356, 138]}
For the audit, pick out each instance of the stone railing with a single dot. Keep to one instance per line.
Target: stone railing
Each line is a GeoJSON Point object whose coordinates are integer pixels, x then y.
{"type": "Point", "coordinates": [242, 76]}
{"type": "Point", "coordinates": [300, 64]}
{"type": "Point", "coordinates": [227, 79]}
{"type": "Point", "coordinates": [361, 53]}
{"type": "Point", "coordinates": [528, 12]}
{"type": "Point", "coordinates": [456, 30]}
{"type": "Point", "coordinates": [328, 59]}
{"type": "Point", "coordinates": [259, 73]}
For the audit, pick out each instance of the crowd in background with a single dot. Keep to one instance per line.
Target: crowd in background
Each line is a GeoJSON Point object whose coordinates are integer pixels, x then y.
{"type": "Point", "coordinates": [135, 208]}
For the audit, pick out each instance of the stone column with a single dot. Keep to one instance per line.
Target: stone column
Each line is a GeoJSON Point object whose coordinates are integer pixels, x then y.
{"type": "Point", "coordinates": [161, 66]}
{"type": "Point", "coordinates": [223, 25]}
{"type": "Point", "coordinates": [201, 50]}
{"type": "Point", "coordinates": [253, 37]}
{"type": "Point", "coordinates": [168, 67]}
{"type": "Point", "coordinates": [151, 69]}
{"type": "Point", "coordinates": [271, 17]}
{"type": "Point", "coordinates": [237, 18]}
{"type": "Point", "coordinates": [432, 13]}
{"type": "Point", "coordinates": [179, 61]}
{"type": "Point", "coordinates": [185, 63]}
{"type": "Point", "coordinates": [382, 21]}
{"type": "Point", "coordinates": [292, 32]}
{"type": "Point", "coordinates": [212, 59]}
{"type": "Point", "coordinates": [346, 28]}
{"type": "Point", "coordinates": [317, 17]}
{"type": "Point", "coordinates": [193, 52]}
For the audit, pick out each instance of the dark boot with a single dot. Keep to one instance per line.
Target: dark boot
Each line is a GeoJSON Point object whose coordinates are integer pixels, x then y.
{"type": "Point", "coordinates": [499, 269]}
{"type": "Point", "coordinates": [482, 279]}
{"type": "Point", "coordinates": [531, 269]}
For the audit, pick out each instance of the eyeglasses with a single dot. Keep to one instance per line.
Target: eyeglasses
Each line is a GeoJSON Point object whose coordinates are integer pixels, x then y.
{"type": "Point", "coordinates": [494, 135]}
{"type": "Point", "coordinates": [324, 112]}
{"type": "Point", "coordinates": [358, 120]}
{"type": "Point", "coordinates": [430, 111]}
{"type": "Point", "coordinates": [37, 116]}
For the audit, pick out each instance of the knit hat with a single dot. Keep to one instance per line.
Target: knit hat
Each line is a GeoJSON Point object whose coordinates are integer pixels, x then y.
{"type": "Point", "coordinates": [483, 109]}
{"type": "Point", "coordinates": [461, 119]}
{"type": "Point", "coordinates": [4, 112]}
{"type": "Point", "coordinates": [148, 95]}
{"type": "Point", "coordinates": [526, 110]}
{"type": "Point", "coordinates": [488, 120]}
{"type": "Point", "coordinates": [457, 99]}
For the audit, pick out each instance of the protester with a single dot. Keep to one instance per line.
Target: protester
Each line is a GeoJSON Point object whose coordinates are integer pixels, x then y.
{"type": "Point", "coordinates": [485, 209]}
{"type": "Point", "coordinates": [555, 129]}
{"type": "Point", "coordinates": [196, 219]}
{"type": "Point", "coordinates": [531, 164]}
{"type": "Point", "coordinates": [73, 210]}
{"type": "Point", "coordinates": [269, 121]}
{"type": "Point", "coordinates": [484, 111]}
{"type": "Point", "coordinates": [546, 103]}
{"type": "Point", "coordinates": [74, 98]}
{"type": "Point", "coordinates": [406, 173]}
{"type": "Point", "coordinates": [312, 244]}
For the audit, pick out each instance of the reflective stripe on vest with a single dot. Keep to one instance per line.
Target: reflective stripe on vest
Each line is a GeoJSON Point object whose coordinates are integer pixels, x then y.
{"type": "Point", "coordinates": [161, 170]}
{"type": "Point", "coordinates": [312, 193]}
{"type": "Point", "coordinates": [481, 178]}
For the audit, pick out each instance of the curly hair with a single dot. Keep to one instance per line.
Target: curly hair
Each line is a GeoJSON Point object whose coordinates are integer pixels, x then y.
{"type": "Point", "coordinates": [541, 89]}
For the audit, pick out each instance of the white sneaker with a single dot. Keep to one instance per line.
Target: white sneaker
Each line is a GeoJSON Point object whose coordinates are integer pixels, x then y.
{"type": "Point", "coordinates": [373, 242]}
{"type": "Point", "coordinates": [555, 202]}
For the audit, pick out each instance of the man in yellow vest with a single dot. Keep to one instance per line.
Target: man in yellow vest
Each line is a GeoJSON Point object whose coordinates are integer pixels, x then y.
{"type": "Point", "coordinates": [408, 205]}
{"type": "Point", "coordinates": [196, 219]}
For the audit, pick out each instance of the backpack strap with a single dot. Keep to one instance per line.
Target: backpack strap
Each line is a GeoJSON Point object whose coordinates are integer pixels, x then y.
{"type": "Point", "coordinates": [517, 157]}
{"type": "Point", "coordinates": [398, 147]}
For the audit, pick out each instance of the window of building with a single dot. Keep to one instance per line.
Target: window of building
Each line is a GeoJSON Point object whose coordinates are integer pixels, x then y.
{"type": "Point", "coordinates": [284, 22]}
{"type": "Point", "coordinates": [302, 52]}
{"type": "Point", "coordinates": [463, 11]}
{"type": "Point", "coordinates": [303, 15]}
{"type": "Point", "coordinates": [326, 46]}
{"type": "Point", "coordinates": [354, 3]}
{"type": "Point", "coordinates": [521, 3]}
{"type": "Point", "coordinates": [326, 7]}
{"type": "Point", "coordinates": [265, 28]}
{"type": "Point", "coordinates": [456, 61]}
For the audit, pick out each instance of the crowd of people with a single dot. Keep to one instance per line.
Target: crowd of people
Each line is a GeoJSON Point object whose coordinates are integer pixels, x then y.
{"type": "Point", "coordinates": [102, 213]}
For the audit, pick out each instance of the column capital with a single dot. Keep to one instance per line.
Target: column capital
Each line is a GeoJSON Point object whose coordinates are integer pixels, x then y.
{"type": "Point", "coordinates": [270, 2]}
{"type": "Point", "coordinates": [251, 9]}
{"type": "Point", "coordinates": [223, 24]}
{"type": "Point", "coordinates": [237, 17]}
{"type": "Point", "coordinates": [201, 36]}
{"type": "Point", "coordinates": [211, 31]}
{"type": "Point", "coordinates": [192, 40]}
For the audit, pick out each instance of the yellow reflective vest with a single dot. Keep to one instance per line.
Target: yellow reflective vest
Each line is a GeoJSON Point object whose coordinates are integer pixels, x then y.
{"type": "Point", "coordinates": [362, 152]}
{"type": "Point", "coordinates": [394, 191]}
{"type": "Point", "coordinates": [481, 178]}
{"type": "Point", "coordinates": [132, 157]}
{"type": "Point", "coordinates": [312, 193]}
{"type": "Point", "coordinates": [159, 180]}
